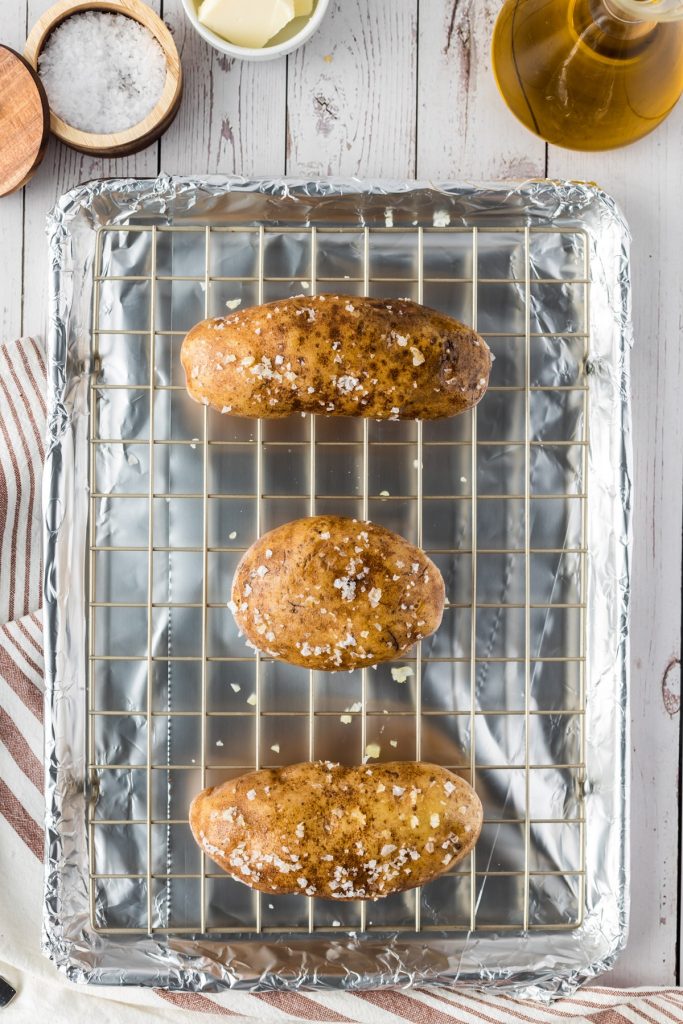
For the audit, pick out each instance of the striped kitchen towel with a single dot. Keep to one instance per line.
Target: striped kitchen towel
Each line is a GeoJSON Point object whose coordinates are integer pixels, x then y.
{"type": "Point", "coordinates": [22, 430]}
{"type": "Point", "coordinates": [42, 994]}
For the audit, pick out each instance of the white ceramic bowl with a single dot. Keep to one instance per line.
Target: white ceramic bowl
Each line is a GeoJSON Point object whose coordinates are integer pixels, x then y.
{"type": "Point", "coordinates": [269, 52]}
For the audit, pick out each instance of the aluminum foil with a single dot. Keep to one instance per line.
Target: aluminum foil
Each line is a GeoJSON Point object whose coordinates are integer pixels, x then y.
{"type": "Point", "coordinates": [578, 927]}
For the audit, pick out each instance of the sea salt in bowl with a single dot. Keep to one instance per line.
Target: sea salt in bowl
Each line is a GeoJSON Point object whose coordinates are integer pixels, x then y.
{"type": "Point", "coordinates": [290, 38]}
{"type": "Point", "coordinates": [124, 137]}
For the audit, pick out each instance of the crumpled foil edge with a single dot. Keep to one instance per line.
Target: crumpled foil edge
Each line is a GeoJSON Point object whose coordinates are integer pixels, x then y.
{"type": "Point", "coordinates": [517, 965]}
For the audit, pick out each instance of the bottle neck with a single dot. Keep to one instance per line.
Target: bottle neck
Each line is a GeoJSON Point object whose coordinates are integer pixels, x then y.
{"type": "Point", "coordinates": [607, 28]}
{"type": "Point", "coordinates": [645, 10]}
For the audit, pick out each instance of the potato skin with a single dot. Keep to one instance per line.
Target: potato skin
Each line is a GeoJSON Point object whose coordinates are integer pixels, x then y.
{"type": "Point", "coordinates": [337, 355]}
{"type": "Point", "coordinates": [342, 833]}
{"type": "Point", "coordinates": [332, 593]}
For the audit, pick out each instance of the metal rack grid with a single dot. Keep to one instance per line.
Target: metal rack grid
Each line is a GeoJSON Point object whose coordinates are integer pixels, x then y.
{"type": "Point", "coordinates": [149, 882]}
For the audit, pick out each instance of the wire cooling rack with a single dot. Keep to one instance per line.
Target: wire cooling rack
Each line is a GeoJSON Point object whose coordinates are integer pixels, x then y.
{"type": "Point", "coordinates": [496, 497]}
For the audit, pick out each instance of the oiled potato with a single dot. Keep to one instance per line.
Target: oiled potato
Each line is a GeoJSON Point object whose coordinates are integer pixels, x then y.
{"type": "Point", "coordinates": [333, 593]}
{"type": "Point", "coordinates": [321, 829]}
{"type": "Point", "coordinates": [336, 355]}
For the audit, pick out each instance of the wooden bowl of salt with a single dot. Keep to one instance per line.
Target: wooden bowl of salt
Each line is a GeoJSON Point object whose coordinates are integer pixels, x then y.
{"type": "Point", "coordinates": [111, 72]}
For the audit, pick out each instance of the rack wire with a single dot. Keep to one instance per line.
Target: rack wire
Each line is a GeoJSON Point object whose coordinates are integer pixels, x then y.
{"type": "Point", "coordinates": [187, 680]}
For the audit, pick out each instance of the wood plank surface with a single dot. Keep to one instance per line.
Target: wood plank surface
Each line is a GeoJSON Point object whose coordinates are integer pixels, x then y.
{"type": "Point", "coordinates": [352, 93]}
{"type": "Point", "coordinates": [464, 130]}
{"type": "Point", "coordinates": [233, 114]}
{"type": "Point", "coordinates": [396, 88]}
{"type": "Point", "coordinates": [13, 21]}
{"type": "Point", "coordinates": [645, 180]}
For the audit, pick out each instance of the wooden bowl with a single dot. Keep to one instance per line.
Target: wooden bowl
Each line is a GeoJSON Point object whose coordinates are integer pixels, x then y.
{"type": "Point", "coordinates": [159, 118]}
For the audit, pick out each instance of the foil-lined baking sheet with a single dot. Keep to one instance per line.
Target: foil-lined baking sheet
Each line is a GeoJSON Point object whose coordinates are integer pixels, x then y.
{"type": "Point", "coordinates": [149, 501]}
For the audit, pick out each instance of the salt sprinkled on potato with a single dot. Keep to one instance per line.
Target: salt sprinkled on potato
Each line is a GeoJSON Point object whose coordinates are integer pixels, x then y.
{"type": "Point", "coordinates": [338, 356]}
{"type": "Point", "coordinates": [334, 594]}
{"type": "Point", "coordinates": [343, 833]}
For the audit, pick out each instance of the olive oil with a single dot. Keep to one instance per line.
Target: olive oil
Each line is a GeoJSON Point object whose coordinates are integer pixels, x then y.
{"type": "Point", "coordinates": [585, 74]}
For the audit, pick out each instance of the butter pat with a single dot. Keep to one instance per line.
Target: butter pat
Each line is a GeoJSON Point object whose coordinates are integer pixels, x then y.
{"type": "Point", "coordinates": [248, 22]}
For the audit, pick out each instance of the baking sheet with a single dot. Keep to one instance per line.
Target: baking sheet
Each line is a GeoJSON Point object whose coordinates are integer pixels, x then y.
{"type": "Point", "coordinates": [543, 269]}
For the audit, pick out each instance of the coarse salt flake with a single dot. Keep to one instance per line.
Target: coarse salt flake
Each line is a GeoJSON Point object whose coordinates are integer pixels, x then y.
{"type": "Point", "coordinates": [102, 72]}
{"type": "Point", "coordinates": [347, 383]}
{"type": "Point", "coordinates": [402, 673]}
{"type": "Point", "coordinates": [275, 748]}
{"type": "Point", "coordinates": [348, 641]}
{"type": "Point", "coordinates": [251, 794]}
{"type": "Point", "coordinates": [374, 597]}
{"type": "Point", "coordinates": [434, 820]}
{"type": "Point", "coordinates": [347, 587]}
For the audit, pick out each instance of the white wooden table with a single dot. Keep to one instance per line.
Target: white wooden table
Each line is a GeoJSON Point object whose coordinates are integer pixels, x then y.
{"type": "Point", "coordinates": [403, 88]}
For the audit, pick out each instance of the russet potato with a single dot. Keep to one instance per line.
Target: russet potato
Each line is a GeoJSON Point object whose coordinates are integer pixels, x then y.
{"type": "Point", "coordinates": [338, 356]}
{"type": "Point", "coordinates": [345, 833]}
{"type": "Point", "coordinates": [332, 593]}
